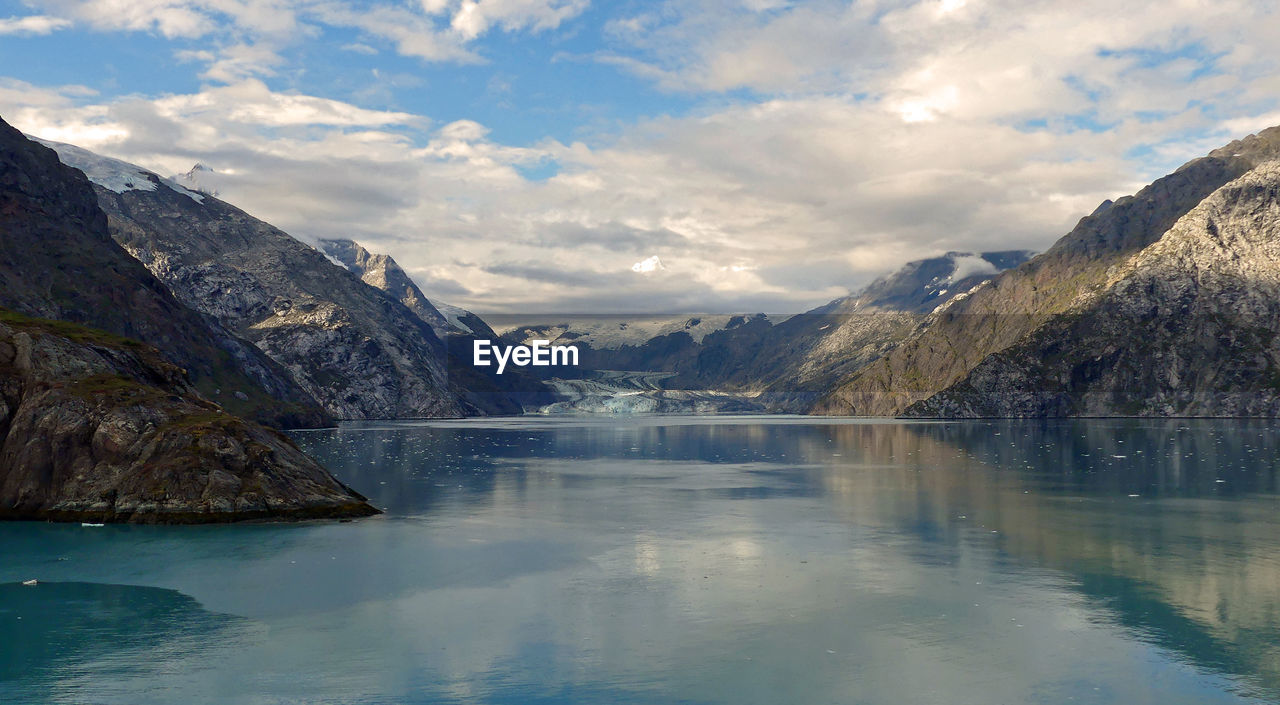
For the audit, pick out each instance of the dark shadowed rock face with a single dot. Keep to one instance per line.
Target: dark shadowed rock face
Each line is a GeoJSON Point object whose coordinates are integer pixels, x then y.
{"type": "Point", "coordinates": [98, 428]}
{"type": "Point", "coordinates": [57, 260]}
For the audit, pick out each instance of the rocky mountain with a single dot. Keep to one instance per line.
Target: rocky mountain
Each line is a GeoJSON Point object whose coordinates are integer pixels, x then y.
{"type": "Point", "coordinates": [58, 260]}
{"type": "Point", "coordinates": [802, 357]}
{"type": "Point", "coordinates": [507, 393]}
{"type": "Point", "coordinates": [385, 274]}
{"type": "Point", "coordinates": [752, 362]}
{"type": "Point", "coordinates": [354, 348]}
{"type": "Point", "coordinates": [98, 428]}
{"type": "Point", "coordinates": [95, 426]}
{"type": "Point", "coordinates": [1188, 326]}
{"type": "Point", "coordinates": [611, 331]}
{"type": "Point", "coordinates": [1161, 303]}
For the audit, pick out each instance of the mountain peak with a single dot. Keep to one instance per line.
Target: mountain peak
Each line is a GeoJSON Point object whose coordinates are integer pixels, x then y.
{"type": "Point", "coordinates": [922, 285]}
{"type": "Point", "coordinates": [114, 174]}
{"type": "Point", "coordinates": [1257, 148]}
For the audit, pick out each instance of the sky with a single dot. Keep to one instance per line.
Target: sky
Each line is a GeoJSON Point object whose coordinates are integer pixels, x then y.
{"type": "Point", "coordinates": [521, 156]}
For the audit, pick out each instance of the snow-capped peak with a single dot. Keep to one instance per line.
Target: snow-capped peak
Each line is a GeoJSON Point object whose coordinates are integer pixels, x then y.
{"type": "Point", "coordinates": [112, 174]}
{"type": "Point", "coordinates": [199, 178]}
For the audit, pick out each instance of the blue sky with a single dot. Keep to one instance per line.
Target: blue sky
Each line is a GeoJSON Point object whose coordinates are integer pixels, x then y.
{"type": "Point", "coordinates": [523, 86]}
{"type": "Point", "coordinates": [525, 155]}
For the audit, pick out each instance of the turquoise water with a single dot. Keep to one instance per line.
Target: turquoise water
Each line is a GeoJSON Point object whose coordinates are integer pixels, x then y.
{"type": "Point", "coordinates": [685, 560]}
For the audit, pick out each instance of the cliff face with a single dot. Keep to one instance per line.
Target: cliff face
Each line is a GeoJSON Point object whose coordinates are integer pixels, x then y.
{"type": "Point", "coordinates": [355, 349]}
{"type": "Point", "coordinates": [384, 273]}
{"type": "Point", "coordinates": [1048, 293]}
{"type": "Point", "coordinates": [813, 351]}
{"type": "Point", "coordinates": [487, 392]}
{"type": "Point", "coordinates": [57, 260]}
{"type": "Point", "coordinates": [1188, 326]}
{"type": "Point", "coordinates": [99, 428]}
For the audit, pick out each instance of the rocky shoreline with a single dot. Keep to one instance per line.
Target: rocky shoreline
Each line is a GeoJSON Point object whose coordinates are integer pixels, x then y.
{"type": "Point", "coordinates": [97, 428]}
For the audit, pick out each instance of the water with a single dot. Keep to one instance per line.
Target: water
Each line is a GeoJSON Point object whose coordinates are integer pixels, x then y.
{"type": "Point", "coordinates": [684, 560]}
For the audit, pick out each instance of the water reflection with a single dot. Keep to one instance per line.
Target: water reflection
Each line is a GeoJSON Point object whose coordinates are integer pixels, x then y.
{"type": "Point", "coordinates": [733, 561]}
{"type": "Point", "coordinates": [1192, 573]}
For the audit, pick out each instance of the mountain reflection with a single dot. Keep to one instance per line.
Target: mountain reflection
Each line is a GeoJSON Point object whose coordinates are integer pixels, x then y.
{"type": "Point", "coordinates": [1188, 564]}
{"type": "Point", "coordinates": [657, 560]}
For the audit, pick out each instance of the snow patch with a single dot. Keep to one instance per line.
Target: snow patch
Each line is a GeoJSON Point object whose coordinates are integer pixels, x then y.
{"type": "Point", "coordinates": [454, 315]}
{"type": "Point", "coordinates": [335, 260]}
{"type": "Point", "coordinates": [113, 174]}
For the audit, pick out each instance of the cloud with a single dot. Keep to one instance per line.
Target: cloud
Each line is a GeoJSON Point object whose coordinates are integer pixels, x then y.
{"type": "Point", "coordinates": [474, 17]}
{"type": "Point", "coordinates": [33, 24]}
{"type": "Point", "coordinates": [245, 38]}
{"type": "Point", "coordinates": [777, 206]}
{"type": "Point", "coordinates": [827, 142]}
{"type": "Point", "coordinates": [648, 265]}
{"type": "Point", "coordinates": [167, 17]}
{"type": "Point", "coordinates": [416, 34]}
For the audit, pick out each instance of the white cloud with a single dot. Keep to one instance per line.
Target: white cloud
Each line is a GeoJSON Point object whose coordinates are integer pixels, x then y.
{"type": "Point", "coordinates": [411, 33]}
{"type": "Point", "coordinates": [648, 265]}
{"type": "Point", "coordinates": [33, 24]}
{"type": "Point", "coordinates": [250, 102]}
{"type": "Point", "coordinates": [815, 194]}
{"type": "Point", "coordinates": [246, 37]}
{"type": "Point", "coordinates": [875, 133]}
{"type": "Point", "coordinates": [167, 17]}
{"type": "Point", "coordinates": [473, 17]}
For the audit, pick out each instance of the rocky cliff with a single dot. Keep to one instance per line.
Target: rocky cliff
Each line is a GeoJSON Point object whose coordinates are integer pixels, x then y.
{"type": "Point", "coordinates": [57, 260]}
{"type": "Point", "coordinates": [806, 355]}
{"type": "Point", "coordinates": [1092, 325]}
{"type": "Point", "coordinates": [354, 348]}
{"type": "Point", "coordinates": [508, 393]}
{"type": "Point", "coordinates": [384, 273]}
{"type": "Point", "coordinates": [1188, 326]}
{"type": "Point", "coordinates": [98, 428]}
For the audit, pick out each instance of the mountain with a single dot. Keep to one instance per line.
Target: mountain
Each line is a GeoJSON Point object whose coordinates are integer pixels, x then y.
{"type": "Point", "coordinates": [1161, 303]}
{"type": "Point", "coordinates": [751, 362]}
{"type": "Point", "coordinates": [384, 273]}
{"type": "Point", "coordinates": [803, 356]}
{"type": "Point", "coordinates": [787, 365]}
{"type": "Point", "coordinates": [94, 427]}
{"type": "Point", "coordinates": [508, 393]}
{"type": "Point", "coordinates": [611, 331]}
{"type": "Point", "coordinates": [57, 260]}
{"type": "Point", "coordinates": [354, 348]}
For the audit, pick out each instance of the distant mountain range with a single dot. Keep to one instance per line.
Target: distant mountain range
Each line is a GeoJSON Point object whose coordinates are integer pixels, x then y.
{"type": "Point", "coordinates": [749, 362]}
{"type": "Point", "coordinates": [1164, 303]}
{"type": "Point", "coordinates": [147, 328]}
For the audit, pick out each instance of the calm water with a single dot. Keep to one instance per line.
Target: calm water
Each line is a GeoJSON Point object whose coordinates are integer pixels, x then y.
{"type": "Point", "coordinates": [774, 561]}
